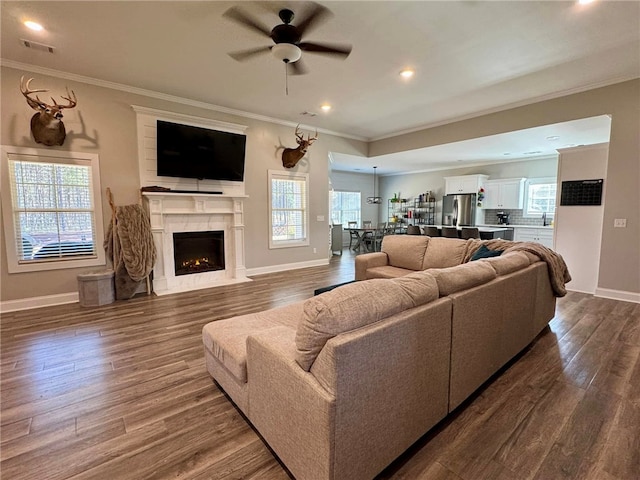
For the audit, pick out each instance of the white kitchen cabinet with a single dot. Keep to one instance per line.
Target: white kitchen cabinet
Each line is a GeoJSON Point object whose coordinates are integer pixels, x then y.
{"type": "Point", "coordinates": [539, 235]}
{"type": "Point", "coordinates": [504, 193]}
{"type": "Point", "coordinates": [463, 184]}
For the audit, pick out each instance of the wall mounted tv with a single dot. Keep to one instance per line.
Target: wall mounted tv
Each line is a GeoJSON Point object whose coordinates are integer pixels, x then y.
{"type": "Point", "coordinates": [194, 152]}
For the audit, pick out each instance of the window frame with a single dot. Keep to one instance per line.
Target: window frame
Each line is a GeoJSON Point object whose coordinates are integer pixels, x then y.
{"type": "Point", "coordinates": [293, 176]}
{"type": "Point", "coordinates": [14, 265]}
{"type": "Point", "coordinates": [359, 193]}
{"type": "Point", "coordinates": [537, 181]}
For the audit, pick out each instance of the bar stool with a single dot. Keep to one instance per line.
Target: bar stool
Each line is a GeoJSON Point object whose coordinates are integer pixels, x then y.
{"type": "Point", "coordinates": [450, 232]}
{"type": "Point", "coordinates": [431, 231]}
{"type": "Point", "coordinates": [413, 230]}
{"type": "Point", "coordinates": [469, 232]}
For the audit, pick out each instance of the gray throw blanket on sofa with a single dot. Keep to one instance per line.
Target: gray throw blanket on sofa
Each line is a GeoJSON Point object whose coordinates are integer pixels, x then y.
{"type": "Point", "coordinates": [558, 271]}
{"type": "Point", "coordinates": [135, 251]}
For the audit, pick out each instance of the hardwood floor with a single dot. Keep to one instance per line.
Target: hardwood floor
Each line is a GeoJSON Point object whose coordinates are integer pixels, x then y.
{"type": "Point", "coordinates": [121, 392]}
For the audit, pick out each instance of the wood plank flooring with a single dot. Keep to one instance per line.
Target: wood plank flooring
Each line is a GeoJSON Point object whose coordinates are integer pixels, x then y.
{"type": "Point", "coordinates": [121, 392]}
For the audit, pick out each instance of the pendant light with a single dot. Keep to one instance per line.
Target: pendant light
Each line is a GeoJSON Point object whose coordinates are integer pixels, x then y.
{"type": "Point", "coordinates": [375, 199]}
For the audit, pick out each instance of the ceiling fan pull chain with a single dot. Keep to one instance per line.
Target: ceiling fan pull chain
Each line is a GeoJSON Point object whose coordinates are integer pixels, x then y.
{"type": "Point", "coordinates": [286, 78]}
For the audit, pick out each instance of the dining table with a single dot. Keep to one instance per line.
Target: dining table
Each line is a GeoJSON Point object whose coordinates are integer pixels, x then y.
{"type": "Point", "coordinates": [362, 233]}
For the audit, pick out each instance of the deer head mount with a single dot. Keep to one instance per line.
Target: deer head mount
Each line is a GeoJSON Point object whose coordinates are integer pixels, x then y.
{"type": "Point", "coordinates": [291, 156]}
{"type": "Point", "coordinates": [46, 124]}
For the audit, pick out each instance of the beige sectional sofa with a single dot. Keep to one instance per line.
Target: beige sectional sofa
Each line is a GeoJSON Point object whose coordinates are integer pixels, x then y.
{"type": "Point", "coordinates": [341, 384]}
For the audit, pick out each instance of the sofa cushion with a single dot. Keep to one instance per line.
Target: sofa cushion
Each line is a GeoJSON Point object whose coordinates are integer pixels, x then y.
{"type": "Point", "coordinates": [484, 252]}
{"type": "Point", "coordinates": [405, 251]}
{"type": "Point", "coordinates": [444, 252]}
{"type": "Point", "coordinates": [355, 305]}
{"type": "Point", "coordinates": [462, 277]}
{"type": "Point", "coordinates": [386, 271]}
{"type": "Point", "coordinates": [226, 340]}
{"type": "Point", "coordinates": [509, 262]}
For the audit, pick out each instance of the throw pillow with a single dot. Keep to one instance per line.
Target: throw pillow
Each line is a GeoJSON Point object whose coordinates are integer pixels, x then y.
{"type": "Point", "coordinates": [484, 252]}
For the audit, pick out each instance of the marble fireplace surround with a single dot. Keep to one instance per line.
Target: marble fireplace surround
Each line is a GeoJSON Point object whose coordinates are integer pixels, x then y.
{"type": "Point", "coordinates": [196, 212]}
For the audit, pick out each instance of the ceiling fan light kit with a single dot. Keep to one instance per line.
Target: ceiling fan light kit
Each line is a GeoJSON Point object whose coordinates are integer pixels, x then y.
{"type": "Point", "coordinates": [286, 52]}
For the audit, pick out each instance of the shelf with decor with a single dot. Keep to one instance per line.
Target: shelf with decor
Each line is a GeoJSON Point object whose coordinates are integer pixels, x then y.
{"type": "Point", "coordinates": [423, 211]}
{"type": "Point", "coordinates": [398, 211]}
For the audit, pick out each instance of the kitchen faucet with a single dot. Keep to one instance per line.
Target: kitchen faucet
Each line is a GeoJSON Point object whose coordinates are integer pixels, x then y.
{"type": "Point", "coordinates": [544, 219]}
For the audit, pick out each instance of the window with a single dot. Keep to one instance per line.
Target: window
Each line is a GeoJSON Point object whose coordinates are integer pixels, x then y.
{"type": "Point", "coordinates": [345, 207]}
{"type": "Point", "coordinates": [289, 222]}
{"type": "Point", "coordinates": [51, 209]}
{"type": "Point", "coordinates": [540, 197]}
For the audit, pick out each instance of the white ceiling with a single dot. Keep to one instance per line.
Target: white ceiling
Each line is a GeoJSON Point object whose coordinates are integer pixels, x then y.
{"type": "Point", "coordinates": [470, 57]}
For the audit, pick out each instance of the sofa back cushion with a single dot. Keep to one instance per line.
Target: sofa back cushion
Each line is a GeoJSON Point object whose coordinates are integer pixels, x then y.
{"type": "Point", "coordinates": [405, 251]}
{"type": "Point", "coordinates": [508, 263]}
{"type": "Point", "coordinates": [444, 252]}
{"type": "Point", "coordinates": [355, 305]}
{"type": "Point", "coordinates": [454, 279]}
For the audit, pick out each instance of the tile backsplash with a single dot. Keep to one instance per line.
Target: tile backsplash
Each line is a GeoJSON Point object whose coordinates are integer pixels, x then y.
{"type": "Point", "coordinates": [515, 217]}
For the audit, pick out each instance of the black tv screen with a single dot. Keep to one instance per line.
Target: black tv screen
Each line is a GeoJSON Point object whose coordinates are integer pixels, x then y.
{"type": "Point", "coordinates": [194, 152]}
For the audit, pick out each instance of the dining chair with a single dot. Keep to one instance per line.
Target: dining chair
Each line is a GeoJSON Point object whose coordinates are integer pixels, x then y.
{"type": "Point", "coordinates": [431, 231]}
{"type": "Point", "coordinates": [378, 235]}
{"type": "Point", "coordinates": [367, 224]}
{"type": "Point", "coordinates": [353, 234]}
{"type": "Point", "coordinates": [450, 232]}
{"type": "Point", "coordinates": [469, 232]}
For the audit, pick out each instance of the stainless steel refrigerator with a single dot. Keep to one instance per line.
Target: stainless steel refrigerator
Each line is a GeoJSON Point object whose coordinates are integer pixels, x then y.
{"type": "Point", "coordinates": [459, 210]}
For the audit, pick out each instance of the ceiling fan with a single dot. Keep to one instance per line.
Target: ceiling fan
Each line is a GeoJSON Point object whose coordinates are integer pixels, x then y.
{"type": "Point", "coordinates": [287, 38]}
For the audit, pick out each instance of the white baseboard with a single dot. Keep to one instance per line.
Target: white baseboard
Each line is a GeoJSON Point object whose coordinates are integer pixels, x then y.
{"type": "Point", "coordinates": [618, 295]}
{"type": "Point", "coordinates": [38, 302]}
{"type": "Point", "coordinates": [286, 266]}
{"type": "Point", "coordinates": [60, 299]}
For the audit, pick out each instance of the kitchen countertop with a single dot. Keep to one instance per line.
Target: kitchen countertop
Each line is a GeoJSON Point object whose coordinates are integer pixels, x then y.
{"type": "Point", "coordinates": [483, 228]}
{"type": "Point", "coordinates": [511, 225]}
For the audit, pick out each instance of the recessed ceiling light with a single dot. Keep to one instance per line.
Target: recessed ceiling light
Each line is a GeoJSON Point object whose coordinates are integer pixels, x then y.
{"type": "Point", "coordinates": [553, 138]}
{"type": "Point", "coordinates": [407, 73]}
{"type": "Point", "coordinates": [33, 26]}
{"type": "Point", "coordinates": [584, 2]}
{"type": "Point", "coordinates": [325, 107]}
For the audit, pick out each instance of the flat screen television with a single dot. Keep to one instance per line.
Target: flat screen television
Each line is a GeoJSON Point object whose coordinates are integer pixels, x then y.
{"type": "Point", "coordinates": [194, 152]}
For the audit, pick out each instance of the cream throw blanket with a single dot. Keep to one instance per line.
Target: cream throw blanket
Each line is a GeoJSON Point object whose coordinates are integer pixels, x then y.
{"type": "Point", "coordinates": [558, 271]}
{"type": "Point", "coordinates": [135, 251]}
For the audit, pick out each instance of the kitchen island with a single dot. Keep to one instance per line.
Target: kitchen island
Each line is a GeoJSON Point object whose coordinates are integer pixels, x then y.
{"type": "Point", "coordinates": [488, 232]}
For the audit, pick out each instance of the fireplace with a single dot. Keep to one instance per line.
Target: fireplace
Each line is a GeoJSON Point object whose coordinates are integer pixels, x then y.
{"type": "Point", "coordinates": [198, 252]}
{"type": "Point", "coordinates": [173, 214]}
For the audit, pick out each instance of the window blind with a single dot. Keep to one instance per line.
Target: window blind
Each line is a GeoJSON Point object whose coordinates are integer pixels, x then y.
{"type": "Point", "coordinates": [52, 205]}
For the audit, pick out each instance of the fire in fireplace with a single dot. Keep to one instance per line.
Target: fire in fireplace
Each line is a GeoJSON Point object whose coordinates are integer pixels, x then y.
{"type": "Point", "coordinates": [198, 252]}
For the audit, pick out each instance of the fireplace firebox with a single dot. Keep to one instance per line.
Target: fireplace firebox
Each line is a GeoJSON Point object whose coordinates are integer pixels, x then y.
{"type": "Point", "coordinates": [198, 252]}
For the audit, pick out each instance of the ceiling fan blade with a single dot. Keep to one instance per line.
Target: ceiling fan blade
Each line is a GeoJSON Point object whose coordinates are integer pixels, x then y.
{"type": "Point", "coordinates": [313, 19]}
{"type": "Point", "coordinates": [298, 68]}
{"type": "Point", "coordinates": [244, 20]}
{"type": "Point", "coordinates": [325, 48]}
{"type": "Point", "coordinates": [243, 55]}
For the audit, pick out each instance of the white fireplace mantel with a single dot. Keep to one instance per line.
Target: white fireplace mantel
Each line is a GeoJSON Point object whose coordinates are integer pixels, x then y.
{"type": "Point", "coordinates": [171, 212]}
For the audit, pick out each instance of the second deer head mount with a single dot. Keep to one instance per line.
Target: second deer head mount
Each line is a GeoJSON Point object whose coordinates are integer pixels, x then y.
{"type": "Point", "coordinates": [46, 124]}
{"type": "Point", "coordinates": [291, 156]}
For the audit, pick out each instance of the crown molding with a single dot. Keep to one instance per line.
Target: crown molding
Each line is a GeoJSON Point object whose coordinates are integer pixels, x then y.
{"type": "Point", "coordinates": [164, 96]}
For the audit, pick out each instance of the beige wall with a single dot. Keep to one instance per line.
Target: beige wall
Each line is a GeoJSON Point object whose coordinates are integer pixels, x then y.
{"type": "Point", "coordinates": [620, 252]}
{"type": "Point", "coordinates": [104, 123]}
{"type": "Point", "coordinates": [108, 123]}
